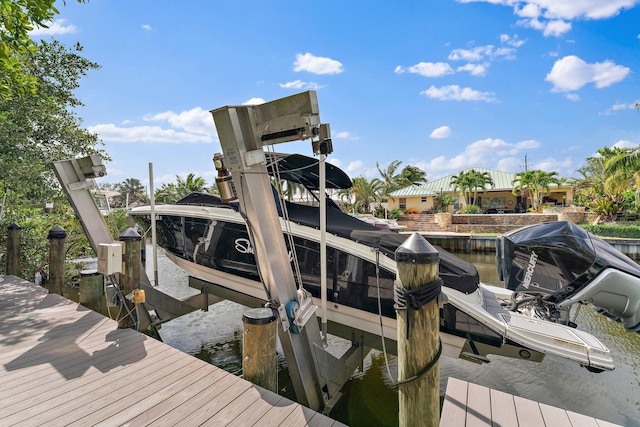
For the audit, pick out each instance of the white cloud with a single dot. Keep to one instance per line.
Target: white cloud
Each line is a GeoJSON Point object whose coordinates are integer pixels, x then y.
{"type": "Point", "coordinates": [426, 69]}
{"type": "Point", "coordinates": [625, 144]}
{"type": "Point", "coordinates": [254, 101]}
{"type": "Point", "coordinates": [299, 84]}
{"type": "Point", "coordinates": [192, 126]}
{"type": "Point", "coordinates": [355, 168]}
{"type": "Point", "coordinates": [196, 120]}
{"type": "Point", "coordinates": [482, 153]}
{"type": "Point", "coordinates": [441, 132]}
{"type": "Point", "coordinates": [571, 73]}
{"type": "Point", "coordinates": [57, 27]}
{"type": "Point", "coordinates": [550, 16]}
{"type": "Point", "coordinates": [474, 69]}
{"type": "Point", "coordinates": [573, 97]}
{"type": "Point", "coordinates": [345, 135]}
{"type": "Point", "coordinates": [480, 53]}
{"type": "Point", "coordinates": [316, 64]}
{"type": "Point", "coordinates": [146, 27]}
{"type": "Point", "coordinates": [620, 107]}
{"type": "Point", "coordinates": [551, 164]}
{"type": "Point", "coordinates": [456, 93]}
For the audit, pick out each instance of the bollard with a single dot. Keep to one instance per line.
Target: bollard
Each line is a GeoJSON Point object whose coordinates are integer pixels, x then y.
{"type": "Point", "coordinates": [130, 276]}
{"type": "Point", "coordinates": [91, 293]}
{"type": "Point", "coordinates": [259, 348]}
{"type": "Point", "coordinates": [13, 249]}
{"type": "Point", "coordinates": [419, 345]}
{"type": "Point", "coordinates": [56, 237]}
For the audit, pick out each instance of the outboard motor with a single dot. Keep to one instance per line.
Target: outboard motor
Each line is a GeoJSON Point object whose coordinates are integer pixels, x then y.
{"type": "Point", "coordinates": [553, 265]}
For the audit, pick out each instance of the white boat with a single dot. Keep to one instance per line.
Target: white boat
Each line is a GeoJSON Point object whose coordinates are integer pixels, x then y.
{"type": "Point", "coordinates": [208, 238]}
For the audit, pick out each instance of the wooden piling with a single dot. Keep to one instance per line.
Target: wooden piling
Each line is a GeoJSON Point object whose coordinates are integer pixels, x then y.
{"type": "Point", "coordinates": [14, 232]}
{"type": "Point", "coordinates": [130, 276]}
{"type": "Point", "coordinates": [259, 348]}
{"type": "Point", "coordinates": [57, 237]}
{"type": "Point", "coordinates": [418, 334]}
{"type": "Point", "coordinates": [91, 294]}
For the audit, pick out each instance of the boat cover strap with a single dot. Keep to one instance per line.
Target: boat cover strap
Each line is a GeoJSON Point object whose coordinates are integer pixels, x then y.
{"type": "Point", "coordinates": [414, 299]}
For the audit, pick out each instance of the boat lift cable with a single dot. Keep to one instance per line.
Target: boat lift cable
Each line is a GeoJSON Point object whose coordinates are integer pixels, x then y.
{"type": "Point", "coordinates": [287, 224]}
{"type": "Point", "coordinates": [384, 347]}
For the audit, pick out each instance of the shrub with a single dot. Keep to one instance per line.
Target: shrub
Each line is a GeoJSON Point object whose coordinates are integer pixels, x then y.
{"type": "Point", "coordinates": [621, 231]}
{"type": "Point", "coordinates": [471, 209]}
{"type": "Point", "coordinates": [395, 213]}
{"type": "Point", "coordinates": [412, 211]}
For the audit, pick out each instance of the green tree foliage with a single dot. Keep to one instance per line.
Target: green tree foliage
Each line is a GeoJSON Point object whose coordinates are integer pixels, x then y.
{"type": "Point", "coordinates": [469, 182]}
{"type": "Point", "coordinates": [172, 192]}
{"type": "Point", "coordinates": [36, 129]}
{"type": "Point", "coordinates": [534, 184]}
{"type": "Point", "coordinates": [132, 191]}
{"type": "Point", "coordinates": [366, 192]}
{"type": "Point", "coordinates": [392, 181]}
{"type": "Point", "coordinates": [18, 17]}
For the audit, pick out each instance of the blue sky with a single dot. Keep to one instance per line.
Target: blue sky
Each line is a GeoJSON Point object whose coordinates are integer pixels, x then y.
{"type": "Point", "coordinates": [443, 85]}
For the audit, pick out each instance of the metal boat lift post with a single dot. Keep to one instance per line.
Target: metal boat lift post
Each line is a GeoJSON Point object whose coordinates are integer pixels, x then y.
{"type": "Point", "coordinates": [243, 131]}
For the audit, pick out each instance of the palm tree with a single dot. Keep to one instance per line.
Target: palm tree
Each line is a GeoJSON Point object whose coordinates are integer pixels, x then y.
{"type": "Point", "coordinates": [366, 192]}
{"type": "Point", "coordinates": [390, 179]}
{"type": "Point", "coordinates": [462, 183]}
{"type": "Point", "coordinates": [132, 189]}
{"type": "Point", "coordinates": [534, 183]}
{"type": "Point", "coordinates": [412, 175]}
{"type": "Point", "coordinates": [479, 181]}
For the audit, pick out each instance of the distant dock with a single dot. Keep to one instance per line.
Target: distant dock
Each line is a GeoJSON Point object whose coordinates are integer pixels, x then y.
{"type": "Point", "coordinates": [62, 364]}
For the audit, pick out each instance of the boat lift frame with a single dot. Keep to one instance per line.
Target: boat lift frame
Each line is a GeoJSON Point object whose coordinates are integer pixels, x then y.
{"type": "Point", "coordinates": [243, 132]}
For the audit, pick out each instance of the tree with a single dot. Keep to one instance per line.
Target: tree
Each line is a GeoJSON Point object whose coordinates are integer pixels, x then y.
{"type": "Point", "coordinates": [390, 179]}
{"type": "Point", "coordinates": [36, 129]}
{"type": "Point", "coordinates": [412, 175]}
{"type": "Point", "coordinates": [462, 183]}
{"type": "Point", "coordinates": [366, 192]}
{"type": "Point", "coordinates": [18, 18]}
{"type": "Point", "coordinates": [132, 190]}
{"type": "Point", "coordinates": [534, 183]}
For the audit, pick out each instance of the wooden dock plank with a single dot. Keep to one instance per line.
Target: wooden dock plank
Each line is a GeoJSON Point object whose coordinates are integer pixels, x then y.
{"type": "Point", "coordinates": [528, 411]}
{"type": "Point", "coordinates": [462, 398]}
{"type": "Point", "coordinates": [554, 417]}
{"type": "Point", "coordinates": [166, 400]}
{"type": "Point", "coordinates": [241, 405]}
{"type": "Point", "coordinates": [478, 405]}
{"type": "Point", "coordinates": [503, 409]}
{"type": "Point", "coordinates": [61, 364]}
{"type": "Point", "coordinates": [258, 409]}
{"type": "Point", "coordinates": [454, 409]}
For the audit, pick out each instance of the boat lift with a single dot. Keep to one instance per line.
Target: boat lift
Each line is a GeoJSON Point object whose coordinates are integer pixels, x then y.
{"type": "Point", "coordinates": [317, 375]}
{"type": "Point", "coordinates": [243, 132]}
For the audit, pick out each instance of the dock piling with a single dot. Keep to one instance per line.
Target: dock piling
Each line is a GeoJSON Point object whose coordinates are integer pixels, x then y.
{"type": "Point", "coordinates": [57, 237]}
{"type": "Point", "coordinates": [259, 348]}
{"type": "Point", "coordinates": [14, 232]}
{"type": "Point", "coordinates": [419, 346]}
{"type": "Point", "coordinates": [91, 293]}
{"type": "Point", "coordinates": [130, 276]}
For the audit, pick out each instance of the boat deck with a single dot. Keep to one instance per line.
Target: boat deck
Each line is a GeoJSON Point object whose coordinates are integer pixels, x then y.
{"type": "Point", "coordinates": [468, 404]}
{"type": "Point", "coordinates": [62, 364]}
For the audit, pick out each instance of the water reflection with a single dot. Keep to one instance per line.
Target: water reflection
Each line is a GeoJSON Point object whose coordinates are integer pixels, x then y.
{"type": "Point", "coordinates": [215, 336]}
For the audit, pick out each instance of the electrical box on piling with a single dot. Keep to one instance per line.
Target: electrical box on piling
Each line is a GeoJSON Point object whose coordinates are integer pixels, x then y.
{"type": "Point", "coordinates": [109, 258]}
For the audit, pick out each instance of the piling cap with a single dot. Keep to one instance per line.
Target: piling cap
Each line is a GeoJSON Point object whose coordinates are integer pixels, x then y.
{"type": "Point", "coordinates": [259, 316]}
{"type": "Point", "coordinates": [130, 235]}
{"type": "Point", "coordinates": [57, 232]}
{"type": "Point", "coordinates": [14, 227]}
{"type": "Point", "coordinates": [417, 250]}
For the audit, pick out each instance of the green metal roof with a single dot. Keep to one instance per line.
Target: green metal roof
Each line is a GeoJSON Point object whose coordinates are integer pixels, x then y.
{"type": "Point", "coordinates": [502, 182]}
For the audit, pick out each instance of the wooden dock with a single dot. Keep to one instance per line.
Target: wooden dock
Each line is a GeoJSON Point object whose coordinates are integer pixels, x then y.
{"type": "Point", "coordinates": [62, 364]}
{"type": "Point", "coordinates": [468, 404]}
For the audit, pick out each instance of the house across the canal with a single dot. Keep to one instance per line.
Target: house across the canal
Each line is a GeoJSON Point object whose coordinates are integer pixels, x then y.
{"type": "Point", "coordinates": [498, 198]}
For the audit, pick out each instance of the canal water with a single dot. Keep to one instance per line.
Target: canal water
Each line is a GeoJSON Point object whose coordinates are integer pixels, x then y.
{"type": "Point", "coordinates": [370, 400]}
